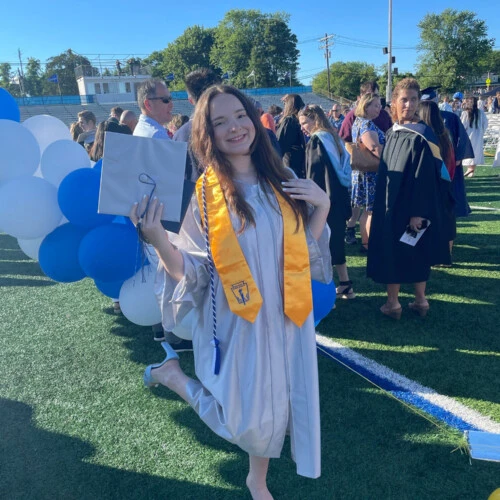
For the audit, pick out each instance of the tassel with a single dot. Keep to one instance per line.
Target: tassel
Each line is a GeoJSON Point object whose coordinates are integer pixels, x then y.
{"type": "Point", "coordinates": [216, 358]}
{"type": "Point", "coordinates": [143, 250]}
{"type": "Point", "coordinates": [211, 266]}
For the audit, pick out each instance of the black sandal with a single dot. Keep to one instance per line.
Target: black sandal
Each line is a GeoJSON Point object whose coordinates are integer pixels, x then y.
{"type": "Point", "coordinates": [345, 291]}
{"type": "Point", "coordinates": [363, 248]}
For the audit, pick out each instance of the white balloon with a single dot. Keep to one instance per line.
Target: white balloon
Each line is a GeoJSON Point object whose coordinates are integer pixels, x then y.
{"type": "Point", "coordinates": [47, 129]}
{"type": "Point", "coordinates": [31, 247]}
{"type": "Point", "coordinates": [138, 300]}
{"type": "Point", "coordinates": [28, 207]}
{"type": "Point", "coordinates": [184, 329]}
{"type": "Point", "coordinates": [62, 157]}
{"type": "Point", "coordinates": [20, 153]}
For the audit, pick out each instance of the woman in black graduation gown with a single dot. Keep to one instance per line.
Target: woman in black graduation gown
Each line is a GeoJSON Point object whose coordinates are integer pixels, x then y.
{"type": "Point", "coordinates": [290, 136]}
{"type": "Point", "coordinates": [328, 165]}
{"type": "Point", "coordinates": [409, 195]}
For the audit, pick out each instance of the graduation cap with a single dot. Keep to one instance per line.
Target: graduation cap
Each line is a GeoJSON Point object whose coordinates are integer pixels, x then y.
{"type": "Point", "coordinates": [429, 93]}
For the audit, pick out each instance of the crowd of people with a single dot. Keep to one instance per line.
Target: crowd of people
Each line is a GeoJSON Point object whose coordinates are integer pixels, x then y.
{"type": "Point", "coordinates": [275, 203]}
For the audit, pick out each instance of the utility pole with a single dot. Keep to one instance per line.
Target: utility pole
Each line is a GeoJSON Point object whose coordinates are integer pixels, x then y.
{"type": "Point", "coordinates": [21, 73]}
{"type": "Point", "coordinates": [388, 91]}
{"type": "Point", "coordinates": [328, 54]}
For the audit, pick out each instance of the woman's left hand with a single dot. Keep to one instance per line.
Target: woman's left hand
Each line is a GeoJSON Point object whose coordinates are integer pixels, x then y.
{"type": "Point", "coordinates": [416, 223]}
{"type": "Point", "coordinates": [307, 190]}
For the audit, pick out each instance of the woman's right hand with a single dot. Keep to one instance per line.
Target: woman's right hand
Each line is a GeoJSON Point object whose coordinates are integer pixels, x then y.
{"type": "Point", "coordinates": [150, 223]}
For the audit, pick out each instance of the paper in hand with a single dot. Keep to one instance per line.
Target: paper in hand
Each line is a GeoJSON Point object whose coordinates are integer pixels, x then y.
{"type": "Point", "coordinates": [136, 166]}
{"type": "Point", "coordinates": [411, 237]}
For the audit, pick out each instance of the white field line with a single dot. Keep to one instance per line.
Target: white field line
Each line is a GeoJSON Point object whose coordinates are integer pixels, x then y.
{"type": "Point", "coordinates": [468, 415]}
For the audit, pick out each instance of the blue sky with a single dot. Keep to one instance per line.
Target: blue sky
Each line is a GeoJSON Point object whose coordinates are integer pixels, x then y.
{"type": "Point", "coordinates": [117, 29]}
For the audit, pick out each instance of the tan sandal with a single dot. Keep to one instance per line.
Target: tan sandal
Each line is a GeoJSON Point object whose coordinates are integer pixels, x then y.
{"type": "Point", "coordinates": [420, 309]}
{"type": "Point", "coordinates": [392, 313]}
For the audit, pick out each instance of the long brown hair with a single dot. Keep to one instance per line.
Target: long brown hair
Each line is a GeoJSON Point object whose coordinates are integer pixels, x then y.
{"type": "Point", "coordinates": [321, 122]}
{"type": "Point", "coordinates": [267, 163]}
{"type": "Point", "coordinates": [473, 112]}
{"type": "Point", "coordinates": [429, 112]}
{"type": "Point", "coordinates": [293, 104]}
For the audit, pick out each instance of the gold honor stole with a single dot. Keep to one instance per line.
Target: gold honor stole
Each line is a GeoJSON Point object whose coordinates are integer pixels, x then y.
{"type": "Point", "coordinates": [241, 292]}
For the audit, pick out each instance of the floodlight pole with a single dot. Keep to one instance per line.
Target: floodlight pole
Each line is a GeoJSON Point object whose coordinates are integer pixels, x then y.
{"type": "Point", "coordinates": [388, 91]}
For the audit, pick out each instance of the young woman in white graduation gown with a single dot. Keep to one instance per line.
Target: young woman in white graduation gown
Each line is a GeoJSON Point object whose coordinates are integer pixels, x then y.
{"type": "Point", "coordinates": [267, 237]}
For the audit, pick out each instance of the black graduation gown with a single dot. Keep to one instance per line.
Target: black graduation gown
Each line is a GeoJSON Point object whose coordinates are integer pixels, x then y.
{"type": "Point", "coordinates": [463, 149]}
{"type": "Point", "coordinates": [319, 168]}
{"type": "Point", "coordinates": [409, 185]}
{"type": "Point", "coordinates": [292, 144]}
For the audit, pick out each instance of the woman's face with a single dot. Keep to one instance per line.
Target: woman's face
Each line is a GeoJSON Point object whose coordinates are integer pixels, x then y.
{"type": "Point", "coordinates": [307, 124]}
{"type": "Point", "coordinates": [234, 131]}
{"type": "Point", "coordinates": [407, 105]}
{"type": "Point", "coordinates": [373, 109]}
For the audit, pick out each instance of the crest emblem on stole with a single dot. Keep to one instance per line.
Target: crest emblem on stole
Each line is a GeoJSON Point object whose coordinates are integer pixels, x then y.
{"type": "Point", "coordinates": [240, 291]}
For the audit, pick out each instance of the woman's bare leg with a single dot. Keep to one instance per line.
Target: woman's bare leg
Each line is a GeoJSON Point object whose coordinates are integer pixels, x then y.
{"type": "Point", "coordinates": [365, 222]}
{"type": "Point", "coordinates": [342, 271]}
{"type": "Point", "coordinates": [393, 296]}
{"type": "Point", "coordinates": [171, 375]}
{"type": "Point", "coordinates": [354, 217]}
{"type": "Point", "coordinates": [420, 298]}
{"type": "Point", "coordinates": [256, 479]}
{"type": "Point", "coordinates": [368, 225]}
{"type": "Point", "coordinates": [470, 171]}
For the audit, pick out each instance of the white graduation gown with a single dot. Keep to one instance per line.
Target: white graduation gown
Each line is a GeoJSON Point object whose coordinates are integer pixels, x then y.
{"type": "Point", "coordinates": [476, 136]}
{"type": "Point", "coordinates": [268, 380]}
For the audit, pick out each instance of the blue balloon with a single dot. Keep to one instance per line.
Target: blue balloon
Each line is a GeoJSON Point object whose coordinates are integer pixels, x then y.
{"type": "Point", "coordinates": [111, 253]}
{"type": "Point", "coordinates": [110, 289]}
{"type": "Point", "coordinates": [58, 254]}
{"type": "Point", "coordinates": [98, 166]}
{"type": "Point", "coordinates": [324, 296]}
{"type": "Point", "coordinates": [78, 197]}
{"type": "Point", "coordinates": [9, 110]}
{"type": "Point", "coordinates": [119, 219]}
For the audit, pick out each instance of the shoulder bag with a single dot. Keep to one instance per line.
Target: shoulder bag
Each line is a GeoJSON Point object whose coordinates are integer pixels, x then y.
{"type": "Point", "coordinates": [362, 159]}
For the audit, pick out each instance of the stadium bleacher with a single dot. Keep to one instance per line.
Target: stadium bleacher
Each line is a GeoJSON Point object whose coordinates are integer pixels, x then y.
{"type": "Point", "coordinates": [67, 113]}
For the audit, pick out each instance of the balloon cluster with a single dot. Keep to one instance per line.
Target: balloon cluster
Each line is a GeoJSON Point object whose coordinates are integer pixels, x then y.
{"type": "Point", "coordinates": [48, 200]}
{"type": "Point", "coordinates": [49, 195]}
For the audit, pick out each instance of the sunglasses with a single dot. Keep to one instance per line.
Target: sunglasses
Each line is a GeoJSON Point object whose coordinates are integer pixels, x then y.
{"type": "Point", "coordinates": [164, 100]}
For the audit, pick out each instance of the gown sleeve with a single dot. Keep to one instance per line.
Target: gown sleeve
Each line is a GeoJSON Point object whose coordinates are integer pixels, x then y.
{"type": "Point", "coordinates": [286, 137]}
{"type": "Point", "coordinates": [315, 164]}
{"type": "Point", "coordinates": [177, 298]}
{"type": "Point", "coordinates": [320, 259]}
{"type": "Point", "coordinates": [424, 182]}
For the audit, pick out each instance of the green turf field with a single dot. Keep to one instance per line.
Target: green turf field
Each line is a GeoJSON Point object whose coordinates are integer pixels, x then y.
{"type": "Point", "coordinates": [77, 423]}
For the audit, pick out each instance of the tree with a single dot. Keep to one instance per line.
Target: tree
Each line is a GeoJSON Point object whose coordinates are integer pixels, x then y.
{"type": "Point", "coordinates": [454, 45]}
{"type": "Point", "coordinates": [345, 78]}
{"type": "Point", "coordinates": [5, 75]}
{"type": "Point", "coordinates": [64, 66]}
{"type": "Point", "coordinates": [492, 62]}
{"type": "Point", "coordinates": [33, 79]}
{"type": "Point", "coordinates": [382, 79]}
{"type": "Point", "coordinates": [274, 53]}
{"type": "Point", "coordinates": [186, 53]}
{"type": "Point", "coordinates": [248, 42]}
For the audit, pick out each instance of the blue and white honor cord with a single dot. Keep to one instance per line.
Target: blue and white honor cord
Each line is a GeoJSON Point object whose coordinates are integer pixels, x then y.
{"type": "Point", "coordinates": [211, 267]}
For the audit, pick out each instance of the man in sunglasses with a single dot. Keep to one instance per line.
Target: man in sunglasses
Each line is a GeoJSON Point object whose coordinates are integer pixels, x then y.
{"type": "Point", "coordinates": [336, 117]}
{"type": "Point", "coordinates": [155, 103]}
